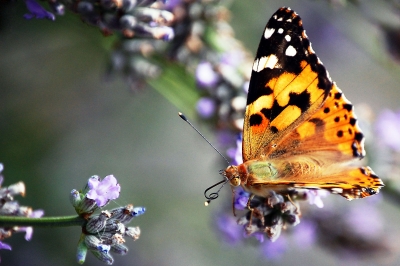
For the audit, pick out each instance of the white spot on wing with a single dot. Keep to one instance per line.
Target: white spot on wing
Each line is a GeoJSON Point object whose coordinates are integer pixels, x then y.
{"type": "Point", "coordinates": [271, 61]}
{"type": "Point", "coordinates": [288, 38]}
{"type": "Point", "coordinates": [255, 64]}
{"type": "Point", "coordinates": [265, 62]}
{"type": "Point", "coordinates": [289, 20]}
{"type": "Point", "coordinates": [290, 51]}
{"type": "Point", "coordinates": [337, 190]}
{"type": "Point", "coordinates": [268, 33]}
{"type": "Point", "coordinates": [280, 19]}
{"type": "Point", "coordinates": [274, 16]}
{"type": "Point", "coordinates": [280, 30]}
{"type": "Point", "coordinates": [262, 64]}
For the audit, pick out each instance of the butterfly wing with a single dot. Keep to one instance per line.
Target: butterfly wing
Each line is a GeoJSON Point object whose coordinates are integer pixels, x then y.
{"type": "Point", "coordinates": [297, 118]}
{"type": "Point", "coordinates": [288, 85]}
{"type": "Point", "coordinates": [331, 134]}
{"type": "Point", "coordinates": [312, 172]}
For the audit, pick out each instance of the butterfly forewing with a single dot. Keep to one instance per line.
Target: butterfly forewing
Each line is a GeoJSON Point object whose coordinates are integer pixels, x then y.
{"type": "Point", "coordinates": [288, 84]}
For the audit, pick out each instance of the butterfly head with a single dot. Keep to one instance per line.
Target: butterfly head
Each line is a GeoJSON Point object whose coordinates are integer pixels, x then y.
{"type": "Point", "coordinates": [232, 174]}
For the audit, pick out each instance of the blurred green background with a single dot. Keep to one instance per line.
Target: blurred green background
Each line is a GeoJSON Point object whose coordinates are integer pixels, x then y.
{"type": "Point", "coordinates": [60, 123]}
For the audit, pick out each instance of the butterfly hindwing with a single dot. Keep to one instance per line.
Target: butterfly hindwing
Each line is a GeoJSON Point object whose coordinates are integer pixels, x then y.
{"type": "Point", "coordinates": [312, 172]}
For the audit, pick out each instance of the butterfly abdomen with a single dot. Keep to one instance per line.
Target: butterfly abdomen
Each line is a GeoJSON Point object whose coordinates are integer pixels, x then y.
{"type": "Point", "coordinates": [260, 176]}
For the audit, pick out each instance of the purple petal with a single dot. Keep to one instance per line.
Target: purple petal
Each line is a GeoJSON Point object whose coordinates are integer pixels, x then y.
{"type": "Point", "coordinates": [314, 197]}
{"type": "Point", "coordinates": [5, 246]}
{"type": "Point", "coordinates": [236, 153]}
{"type": "Point", "coordinates": [205, 107]}
{"type": "Point", "coordinates": [365, 220]}
{"type": "Point", "coordinates": [28, 233]}
{"type": "Point", "coordinates": [93, 182]}
{"type": "Point", "coordinates": [103, 191]}
{"type": "Point", "coordinates": [37, 214]}
{"type": "Point", "coordinates": [275, 250]}
{"type": "Point", "coordinates": [205, 75]}
{"type": "Point", "coordinates": [231, 233]}
{"type": "Point", "coordinates": [305, 234]}
{"type": "Point", "coordinates": [37, 11]}
{"type": "Point", "coordinates": [241, 199]}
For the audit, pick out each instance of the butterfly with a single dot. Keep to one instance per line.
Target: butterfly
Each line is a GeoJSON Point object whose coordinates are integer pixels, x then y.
{"type": "Point", "coordinates": [299, 129]}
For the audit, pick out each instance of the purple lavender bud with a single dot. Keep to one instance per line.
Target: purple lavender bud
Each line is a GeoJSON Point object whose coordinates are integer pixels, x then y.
{"type": "Point", "coordinates": [120, 249]}
{"type": "Point", "coordinates": [85, 7]}
{"type": "Point", "coordinates": [98, 222]}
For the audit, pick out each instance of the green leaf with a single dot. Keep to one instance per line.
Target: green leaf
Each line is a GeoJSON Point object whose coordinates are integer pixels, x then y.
{"type": "Point", "coordinates": [178, 86]}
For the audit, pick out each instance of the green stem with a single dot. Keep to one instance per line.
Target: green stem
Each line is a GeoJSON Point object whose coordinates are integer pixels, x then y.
{"type": "Point", "coordinates": [60, 221]}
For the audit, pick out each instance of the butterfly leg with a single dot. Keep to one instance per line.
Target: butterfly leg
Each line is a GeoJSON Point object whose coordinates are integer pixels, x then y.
{"type": "Point", "coordinates": [233, 201]}
{"type": "Point", "coordinates": [253, 212]}
{"type": "Point", "coordinates": [296, 210]}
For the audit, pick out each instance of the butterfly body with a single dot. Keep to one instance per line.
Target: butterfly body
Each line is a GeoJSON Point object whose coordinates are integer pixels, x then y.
{"type": "Point", "coordinates": [299, 130]}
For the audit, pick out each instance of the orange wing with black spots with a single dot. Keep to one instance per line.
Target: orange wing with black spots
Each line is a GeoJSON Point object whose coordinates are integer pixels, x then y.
{"type": "Point", "coordinates": [331, 134]}
{"type": "Point", "coordinates": [287, 86]}
{"type": "Point", "coordinates": [298, 121]}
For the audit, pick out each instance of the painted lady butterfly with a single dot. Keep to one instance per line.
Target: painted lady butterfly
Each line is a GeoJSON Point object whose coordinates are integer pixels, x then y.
{"type": "Point", "coordinates": [299, 130]}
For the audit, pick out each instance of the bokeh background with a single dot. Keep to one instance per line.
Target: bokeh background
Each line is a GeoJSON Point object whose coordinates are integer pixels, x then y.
{"type": "Point", "coordinates": [61, 122]}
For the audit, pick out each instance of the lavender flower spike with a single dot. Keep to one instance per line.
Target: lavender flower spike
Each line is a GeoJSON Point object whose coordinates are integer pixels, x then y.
{"type": "Point", "coordinates": [37, 11]}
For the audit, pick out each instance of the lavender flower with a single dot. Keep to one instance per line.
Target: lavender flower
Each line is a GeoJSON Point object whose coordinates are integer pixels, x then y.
{"type": "Point", "coordinates": [313, 196]}
{"type": "Point", "coordinates": [10, 207]}
{"type": "Point", "coordinates": [268, 215]}
{"type": "Point", "coordinates": [103, 191]}
{"type": "Point", "coordinates": [104, 233]}
{"type": "Point", "coordinates": [97, 193]}
{"type": "Point", "coordinates": [37, 11]}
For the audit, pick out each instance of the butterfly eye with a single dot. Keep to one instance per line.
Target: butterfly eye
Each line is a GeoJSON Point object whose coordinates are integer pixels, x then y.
{"type": "Point", "coordinates": [235, 181]}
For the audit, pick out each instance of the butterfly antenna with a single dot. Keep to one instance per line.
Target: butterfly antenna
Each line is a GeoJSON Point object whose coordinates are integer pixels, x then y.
{"type": "Point", "coordinates": [190, 124]}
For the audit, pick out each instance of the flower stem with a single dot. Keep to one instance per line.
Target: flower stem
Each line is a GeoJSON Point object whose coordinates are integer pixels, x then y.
{"type": "Point", "coordinates": [58, 221]}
